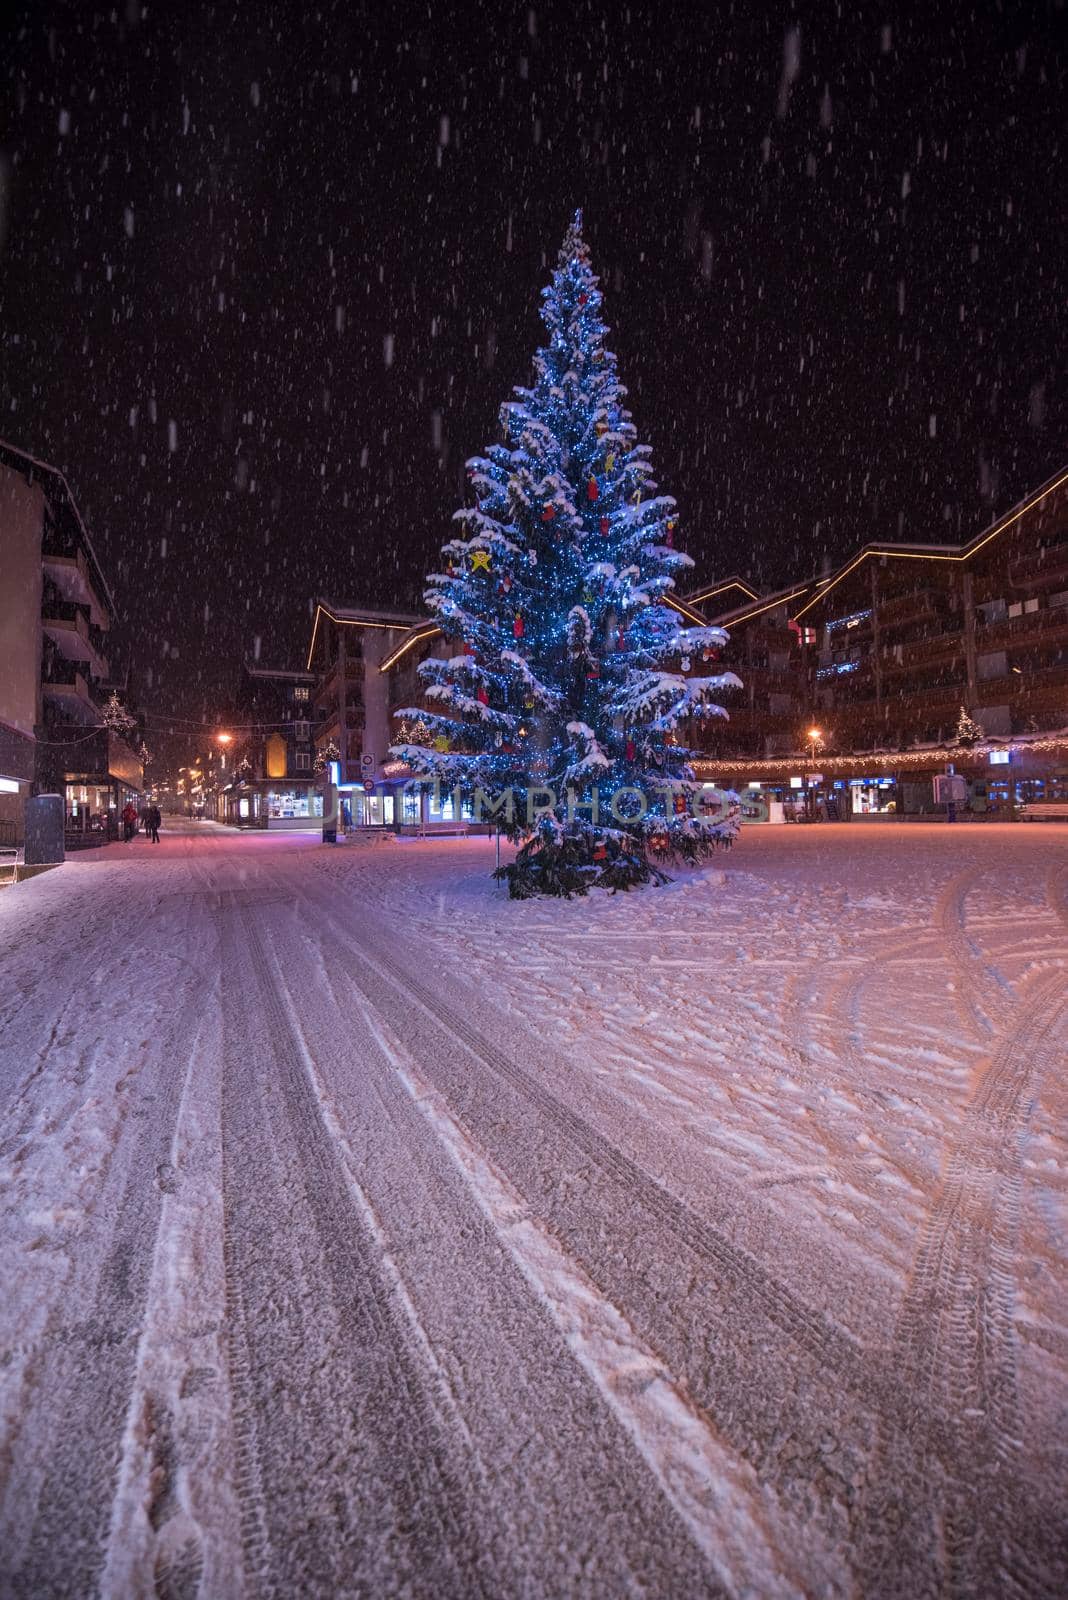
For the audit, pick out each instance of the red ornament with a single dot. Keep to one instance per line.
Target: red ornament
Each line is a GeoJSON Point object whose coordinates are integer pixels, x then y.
{"type": "Point", "coordinates": [482, 696]}
{"type": "Point", "coordinates": [671, 536]}
{"type": "Point", "coordinates": [621, 639]}
{"type": "Point", "coordinates": [604, 524]}
{"type": "Point", "coordinates": [583, 298]}
{"type": "Point", "coordinates": [595, 670]}
{"type": "Point", "coordinates": [592, 490]}
{"type": "Point", "coordinates": [600, 852]}
{"type": "Point", "coordinates": [548, 514]}
{"type": "Point", "coordinates": [630, 750]}
{"type": "Point", "coordinates": [517, 626]}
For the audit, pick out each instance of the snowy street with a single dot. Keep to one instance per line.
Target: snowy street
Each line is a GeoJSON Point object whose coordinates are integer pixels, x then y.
{"type": "Point", "coordinates": [366, 1233]}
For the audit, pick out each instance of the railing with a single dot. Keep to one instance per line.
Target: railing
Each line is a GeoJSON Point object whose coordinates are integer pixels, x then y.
{"type": "Point", "coordinates": [62, 675]}
{"type": "Point", "coordinates": [1049, 566]}
{"type": "Point", "coordinates": [1011, 629]}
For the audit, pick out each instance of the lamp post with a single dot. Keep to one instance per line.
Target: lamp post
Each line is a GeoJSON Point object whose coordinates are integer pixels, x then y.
{"type": "Point", "coordinates": [815, 744]}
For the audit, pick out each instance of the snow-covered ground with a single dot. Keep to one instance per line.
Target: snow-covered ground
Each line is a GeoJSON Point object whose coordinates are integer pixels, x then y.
{"type": "Point", "coordinates": [367, 1233]}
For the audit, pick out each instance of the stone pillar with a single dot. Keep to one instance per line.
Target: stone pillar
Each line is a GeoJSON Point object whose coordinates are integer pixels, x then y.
{"type": "Point", "coordinates": [377, 734]}
{"type": "Point", "coordinates": [968, 606]}
{"type": "Point", "coordinates": [342, 703]}
{"type": "Point", "coordinates": [876, 640]}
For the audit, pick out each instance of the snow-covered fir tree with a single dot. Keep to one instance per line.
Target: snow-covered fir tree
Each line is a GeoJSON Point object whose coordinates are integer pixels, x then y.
{"type": "Point", "coordinates": [572, 674]}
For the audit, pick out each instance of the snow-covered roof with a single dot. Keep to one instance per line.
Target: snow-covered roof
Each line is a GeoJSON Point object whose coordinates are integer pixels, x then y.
{"type": "Point", "coordinates": [764, 602]}
{"type": "Point", "coordinates": [946, 552]}
{"type": "Point", "coordinates": [359, 617]}
{"type": "Point", "coordinates": [719, 588]}
{"type": "Point", "coordinates": [280, 672]}
{"type": "Point", "coordinates": [368, 614]}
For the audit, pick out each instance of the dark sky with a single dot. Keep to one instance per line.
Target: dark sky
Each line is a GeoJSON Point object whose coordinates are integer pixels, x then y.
{"type": "Point", "coordinates": [268, 271]}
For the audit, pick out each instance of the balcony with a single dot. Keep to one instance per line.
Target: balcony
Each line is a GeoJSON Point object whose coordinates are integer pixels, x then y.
{"type": "Point", "coordinates": [324, 701]}
{"type": "Point", "coordinates": [1046, 569]}
{"type": "Point", "coordinates": [71, 576]}
{"type": "Point", "coordinates": [65, 687]}
{"type": "Point", "coordinates": [1046, 627]}
{"type": "Point", "coordinates": [905, 610]}
{"type": "Point", "coordinates": [65, 623]}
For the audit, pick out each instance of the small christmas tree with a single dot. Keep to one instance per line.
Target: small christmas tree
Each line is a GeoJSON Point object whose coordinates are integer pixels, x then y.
{"type": "Point", "coordinates": [571, 675]}
{"type": "Point", "coordinates": [967, 732]}
{"type": "Point", "coordinates": [331, 751]}
{"type": "Point", "coordinates": [116, 716]}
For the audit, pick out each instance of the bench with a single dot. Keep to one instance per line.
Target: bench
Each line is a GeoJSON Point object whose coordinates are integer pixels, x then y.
{"type": "Point", "coordinates": [1044, 811]}
{"type": "Point", "coordinates": [9, 863]}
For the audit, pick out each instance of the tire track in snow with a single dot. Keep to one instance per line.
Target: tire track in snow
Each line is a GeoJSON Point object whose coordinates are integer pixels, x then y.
{"type": "Point", "coordinates": [343, 1468]}
{"type": "Point", "coordinates": [1057, 894]}
{"type": "Point", "coordinates": [175, 1505]}
{"type": "Point", "coordinates": [943, 1515]}
{"type": "Point", "coordinates": [714, 1316]}
{"type": "Point", "coordinates": [111, 917]}
{"type": "Point", "coordinates": [554, 1466]}
{"type": "Point", "coordinates": [983, 996]}
{"type": "Point", "coordinates": [62, 1460]}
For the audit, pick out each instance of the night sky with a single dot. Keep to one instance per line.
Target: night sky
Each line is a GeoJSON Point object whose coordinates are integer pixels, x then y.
{"type": "Point", "coordinates": [268, 271]}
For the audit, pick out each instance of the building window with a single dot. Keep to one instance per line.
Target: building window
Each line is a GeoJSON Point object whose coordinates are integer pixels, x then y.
{"type": "Point", "coordinates": [284, 803]}
{"type": "Point", "coordinates": [302, 761]}
{"type": "Point", "coordinates": [302, 731]}
{"type": "Point", "coordinates": [276, 756]}
{"type": "Point", "coordinates": [302, 693]}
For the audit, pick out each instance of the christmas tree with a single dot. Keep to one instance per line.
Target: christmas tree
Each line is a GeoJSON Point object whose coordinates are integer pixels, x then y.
{"type": "Point", "coordinates": [967, 732]}
{"type": "Point", "coordinates": [116, 716]}
{"type": "Point", "coordinates": [561, 713]}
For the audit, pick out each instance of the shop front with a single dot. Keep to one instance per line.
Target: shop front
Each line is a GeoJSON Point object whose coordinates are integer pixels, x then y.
{"type": "Point", "coordinates": [97, 774]}
{"type": "Point", "coordinates": [293, 805]}
{"type": "Point", "coordinates": [272, 803]}
{"type": "Point", "coordinates": [871, 796]}
{"type": "Point", "coordinates": [16, 778]}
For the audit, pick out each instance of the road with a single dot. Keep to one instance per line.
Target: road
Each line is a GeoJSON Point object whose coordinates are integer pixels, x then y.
{"type": "Point", "coordinates": [361, 1238]}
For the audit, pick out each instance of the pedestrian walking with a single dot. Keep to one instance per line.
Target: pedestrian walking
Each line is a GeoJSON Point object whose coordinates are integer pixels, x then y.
{"type": "Point", "coordinates": [154, 818]}
{"type": "Point", "coordinates": [129, 821]}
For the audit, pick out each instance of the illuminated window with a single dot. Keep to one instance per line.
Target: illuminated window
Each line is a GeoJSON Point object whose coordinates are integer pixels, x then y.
{"type": "Point", "coordinates": [276, 756]}
{"type": "Point", "coordinates": [302, 693]}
